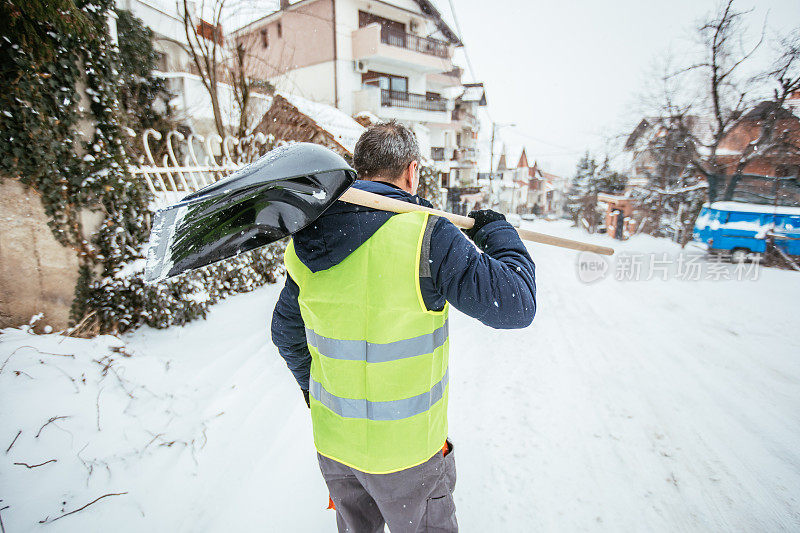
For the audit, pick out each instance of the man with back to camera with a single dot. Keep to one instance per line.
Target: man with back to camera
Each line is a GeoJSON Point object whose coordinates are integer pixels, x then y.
{"type": "Point", "coordinates": [363, 325]}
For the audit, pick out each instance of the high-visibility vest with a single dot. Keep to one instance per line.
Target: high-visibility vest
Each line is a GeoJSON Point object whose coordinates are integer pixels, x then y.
{"type": "Point", "coordinates": [379, 357]}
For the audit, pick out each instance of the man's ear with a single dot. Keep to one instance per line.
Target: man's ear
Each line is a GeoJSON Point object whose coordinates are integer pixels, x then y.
{"type": "Point", "coordinates": [411, 176]}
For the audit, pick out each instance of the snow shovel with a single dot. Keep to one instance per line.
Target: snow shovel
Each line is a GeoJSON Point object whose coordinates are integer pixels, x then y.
{"type": "Point", "coordinates": [278, 195]}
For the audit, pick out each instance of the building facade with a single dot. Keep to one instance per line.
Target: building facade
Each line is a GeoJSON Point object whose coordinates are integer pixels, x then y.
{"type": "Point", "coordinates": [373, 60]}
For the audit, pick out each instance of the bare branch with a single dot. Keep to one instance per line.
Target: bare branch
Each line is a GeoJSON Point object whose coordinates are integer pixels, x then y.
{"type": "Point", "coordinates": [13, 441]}
{"type": "Point", "coordinates": [47, 520]}
{"type": "Point", "coordinates": [26, 465]}
{"type": "Point", "coordinates": [53, 419]}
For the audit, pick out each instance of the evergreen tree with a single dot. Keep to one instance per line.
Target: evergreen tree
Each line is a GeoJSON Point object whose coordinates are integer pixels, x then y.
{"type": "Point", "coordinates": [582, 195]}
{"type": "Point", "coordinates": [609, 180]}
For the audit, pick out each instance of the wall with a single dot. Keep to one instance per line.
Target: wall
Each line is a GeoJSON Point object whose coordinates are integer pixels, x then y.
{"type": "Point", "coordinates": [306, 38]}
{"type": "Point", "coordinates": [314, 82]}
{"type": "Point", "coordinates": [37, 273]}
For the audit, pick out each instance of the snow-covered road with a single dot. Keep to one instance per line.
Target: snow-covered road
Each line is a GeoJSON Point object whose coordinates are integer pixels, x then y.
{"type": "Point", "coordinates": [627, 406]}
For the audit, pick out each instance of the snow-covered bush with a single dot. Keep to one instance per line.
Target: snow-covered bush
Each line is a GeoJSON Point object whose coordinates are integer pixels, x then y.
{"type": "Point", "coordinates": [122, 301]}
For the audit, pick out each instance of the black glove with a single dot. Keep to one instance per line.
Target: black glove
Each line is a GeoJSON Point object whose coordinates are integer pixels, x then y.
{"type": "Point", "coordinates": [305, 397]}
{"type": "Point", "coordinates": [482, 217]}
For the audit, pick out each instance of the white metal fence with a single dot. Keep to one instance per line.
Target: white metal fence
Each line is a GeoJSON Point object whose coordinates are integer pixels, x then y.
{"type": "Point", "coordinates": [190, 163]}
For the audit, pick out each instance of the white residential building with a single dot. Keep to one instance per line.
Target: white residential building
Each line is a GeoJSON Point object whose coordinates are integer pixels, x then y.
{"type": "Point", "coordinates": [390, 59]}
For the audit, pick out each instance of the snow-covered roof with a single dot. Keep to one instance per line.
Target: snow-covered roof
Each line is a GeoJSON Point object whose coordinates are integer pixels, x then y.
{"type": "Point", "coordinates": [342, 127]}
{"type": "Point", "coordinates": [743, 207]}
{"type": "Point", "coordinates": [369, 115]}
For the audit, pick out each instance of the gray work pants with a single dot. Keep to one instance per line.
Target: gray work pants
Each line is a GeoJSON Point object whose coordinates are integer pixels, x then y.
{"type": "Point", "coordinates": [417, 499]}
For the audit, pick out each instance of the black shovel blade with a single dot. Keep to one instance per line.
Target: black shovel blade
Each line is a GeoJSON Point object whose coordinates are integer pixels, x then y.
{"type": "Point", "coordinates": [276, 196]}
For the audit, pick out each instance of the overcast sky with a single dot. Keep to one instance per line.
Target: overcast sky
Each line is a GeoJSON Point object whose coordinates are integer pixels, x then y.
{"type": "Point", "coordinates": [568, 72]}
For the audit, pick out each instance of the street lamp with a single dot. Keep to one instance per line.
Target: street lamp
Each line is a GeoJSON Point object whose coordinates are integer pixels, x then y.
{"type": "Point", "coordinates": [496, 126]}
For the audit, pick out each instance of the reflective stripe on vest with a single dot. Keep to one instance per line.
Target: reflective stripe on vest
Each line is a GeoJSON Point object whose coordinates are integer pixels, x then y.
{"type": "Point", "coordinates": [377, 353]}
{"type": "Point", "coordinates": [379, 358]}
{"type": "Point", "coordinates": [391, 410]}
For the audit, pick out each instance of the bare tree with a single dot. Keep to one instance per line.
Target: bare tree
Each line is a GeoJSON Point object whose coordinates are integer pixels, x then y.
{"type": "Point", "coordinates": [693, 129]}
{"type": "Point", "coordinates": [205, 46]}
{"type": "Point", "coordinates": [229, 60]}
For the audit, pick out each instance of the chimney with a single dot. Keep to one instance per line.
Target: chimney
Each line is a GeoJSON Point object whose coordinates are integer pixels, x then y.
{"type": "Point", "coordinates": [284, 4]}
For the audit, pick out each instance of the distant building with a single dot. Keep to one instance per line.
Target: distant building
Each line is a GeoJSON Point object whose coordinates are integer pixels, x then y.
{"type": "Point", "coordinates": [463, 131]}
{"type": "Point", "coordinates": [782, 163]}
{"type": "Point", "coordinates": [526, 188]}
{"type": "Point", "coordinates": [659, 155]}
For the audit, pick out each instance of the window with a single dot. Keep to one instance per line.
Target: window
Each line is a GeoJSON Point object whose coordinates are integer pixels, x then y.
{"type": "Point", "coordinates": [397, 85]}
{"type": "Point", "coordinates": [161, 62]}
{"type": "Point", "coordinates": [788, 222]}
{"type": "Point", "coordinates": [264, 38]}
{"type": "Point", "coordinates": [754, 218]}
{"type": "Point", "coordinates": [280, 30]}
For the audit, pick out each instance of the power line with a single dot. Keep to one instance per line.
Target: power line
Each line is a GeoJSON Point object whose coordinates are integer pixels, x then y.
{"type": "Point", "coordinates": [466, 54]}
{"type": "Point", "coordinates": [548, 143]}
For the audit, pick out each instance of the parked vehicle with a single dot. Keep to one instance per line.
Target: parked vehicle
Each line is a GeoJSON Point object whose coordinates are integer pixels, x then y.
{"type": "Point", "coordinates": [742, 229]}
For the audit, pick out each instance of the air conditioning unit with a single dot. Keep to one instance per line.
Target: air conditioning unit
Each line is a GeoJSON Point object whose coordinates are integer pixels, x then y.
{"type": "Point", "coordinates": [359, 66]}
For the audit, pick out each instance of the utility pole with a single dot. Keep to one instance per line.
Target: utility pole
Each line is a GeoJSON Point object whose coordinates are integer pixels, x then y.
{"type": "Point", "coordinates": [495, 126]}
{"type": "Point", "coordinates": [491, 151]}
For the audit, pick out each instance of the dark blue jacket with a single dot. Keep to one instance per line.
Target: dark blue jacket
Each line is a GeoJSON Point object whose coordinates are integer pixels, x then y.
{"type": "Point", "coordinates": [497, 287]}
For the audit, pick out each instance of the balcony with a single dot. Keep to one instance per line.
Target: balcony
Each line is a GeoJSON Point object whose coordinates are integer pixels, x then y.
{"type": "Point", "coordinates": [409, 41]}
{"type": "Point", "coordinates": [400, 105]}
{"type": "Point", "coordinates": [466, 155]}
{"type": "Point", "coordinates": [382, 47]}
{"type": "Point", "coordinates": [412, 101]}
{"type": "Point", "coordinates": [451, 78]}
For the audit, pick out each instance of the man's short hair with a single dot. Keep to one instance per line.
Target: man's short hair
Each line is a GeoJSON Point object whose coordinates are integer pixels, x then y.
{"type": "Point", "coordinates": [385, 150]}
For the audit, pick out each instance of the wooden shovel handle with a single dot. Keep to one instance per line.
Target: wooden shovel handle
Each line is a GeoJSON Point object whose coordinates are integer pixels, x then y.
{"type": "Point", "coordinates": [376, 201]}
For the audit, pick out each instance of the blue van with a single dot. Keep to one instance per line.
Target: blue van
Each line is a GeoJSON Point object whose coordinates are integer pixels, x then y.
{"type": "Point", "coordinates": [741, 228]}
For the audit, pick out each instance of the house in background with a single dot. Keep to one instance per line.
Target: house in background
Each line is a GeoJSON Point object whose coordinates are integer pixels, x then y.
{"type": "Point", "coordinates": [462, 168]}
{"type": "Point", "coordinates": [458, 159]}
{"type": "Point", "coordinates": [781, 163]}
{"type": "Point", "coordinates": [652, 139]}
{"type": "Point", "coordinates": [526, 188]}
{"type": "Point", "coordinates": [372, 60]}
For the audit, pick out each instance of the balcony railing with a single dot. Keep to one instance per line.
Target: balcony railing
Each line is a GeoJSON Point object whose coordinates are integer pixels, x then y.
{"type": "Point", "coordinates": [412, 101]}
{"type": "Point", "coordinates": [423, 45]}
{"type": "Point", "coordinates": [437, 153]}
{"type": "Point", "coordinates": [466, 154]}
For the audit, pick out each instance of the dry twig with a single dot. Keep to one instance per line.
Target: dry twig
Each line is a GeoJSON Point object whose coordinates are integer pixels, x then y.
{"type": "Point", "coordinates": [13, 441]}
{"type": "Point", "coordinates": [32, 348]}
{"type": "Point", "coordinates": [26, 465]}
{"type": "Point", "coordinates": [2, 527]}
{"type": "Point", "coordinates": [47, 520]}
{"type": "Point", "coordinates": [53, 419]}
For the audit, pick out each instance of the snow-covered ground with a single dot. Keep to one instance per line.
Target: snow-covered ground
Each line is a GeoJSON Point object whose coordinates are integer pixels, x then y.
{"type": "Point", "coordinates": [649, 405]}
